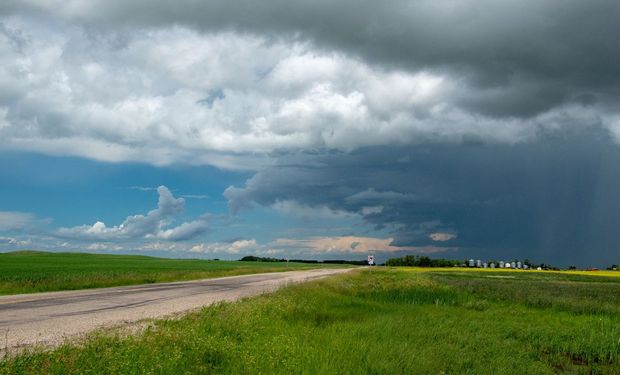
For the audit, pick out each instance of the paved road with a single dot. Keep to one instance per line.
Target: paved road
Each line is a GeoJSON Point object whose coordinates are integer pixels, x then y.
{"type": "Point", "coordinates": [49, 318]}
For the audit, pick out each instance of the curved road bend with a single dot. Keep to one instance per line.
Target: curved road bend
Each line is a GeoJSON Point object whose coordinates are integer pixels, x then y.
{"type": "Point", "coordinates": [49, 318]}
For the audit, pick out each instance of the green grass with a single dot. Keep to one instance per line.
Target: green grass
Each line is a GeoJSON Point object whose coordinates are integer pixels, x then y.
{"type": "Point", "coordinates": [33, 271]}
{"type": "Point", "coordinates": [388, 321]}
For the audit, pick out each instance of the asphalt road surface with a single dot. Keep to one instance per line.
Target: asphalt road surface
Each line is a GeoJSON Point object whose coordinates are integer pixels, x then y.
{"type": "Point", "coordinates": [50, 318]}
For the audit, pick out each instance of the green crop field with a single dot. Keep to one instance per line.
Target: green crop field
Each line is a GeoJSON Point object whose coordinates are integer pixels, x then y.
{"type": "Point", "coordinates": [387, 321]}
{"type": "Point", "coordinates": [33, 271]}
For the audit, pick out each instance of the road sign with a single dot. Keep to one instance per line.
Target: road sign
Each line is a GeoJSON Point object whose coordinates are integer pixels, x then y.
{"type": "Point", "coordinates": [371, 260]}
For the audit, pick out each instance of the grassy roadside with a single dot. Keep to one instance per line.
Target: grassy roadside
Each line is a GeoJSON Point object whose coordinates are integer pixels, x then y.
{"type": "Point", "coordinates": [32, 271]}
{"type": "Point", "coordinates": [388, 321]}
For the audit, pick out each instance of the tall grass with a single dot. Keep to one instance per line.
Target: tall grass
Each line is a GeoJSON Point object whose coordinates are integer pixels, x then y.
{"type": "Point", "coordinates": [385, 322]}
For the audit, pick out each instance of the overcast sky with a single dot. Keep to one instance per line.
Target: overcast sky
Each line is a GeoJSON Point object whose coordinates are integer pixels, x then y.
{"type": "Point", "coordinates": [314, 129]}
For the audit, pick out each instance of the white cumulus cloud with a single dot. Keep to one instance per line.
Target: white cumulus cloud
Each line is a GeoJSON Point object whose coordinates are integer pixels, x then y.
{"type": "Point", "coordinates": [352, 244]}
{"type": "Point", "coordinates": [152, 225]}
{"type": "Point", "coordinates": [10, 220]}
{"type": "Point", "coordinates": [172, 94]}
{"type": "Point", "coordinates": [234, 247]}
{"type": "Point", "coordinates": [441, 237]}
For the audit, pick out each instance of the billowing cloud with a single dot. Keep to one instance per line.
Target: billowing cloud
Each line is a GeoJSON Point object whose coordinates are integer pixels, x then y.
{"type": "Point", "coordinates": [14, 242]}
{"type": "Point", "coordinates": [101, 246]}
{"type": "Point", "coordinates": [353, 244]}
{"type": "Point", "coordinates": [304, 212]}
{"type": "Point", "coordinates": [11, 220]}
{"type": "Point", "coordinates": [371, 195]}
{"type": "Point", "coordinates": [235, 247]}
{"type": "Point", "coordinates": [489, 126]}
{"type": "Point", "coordinates": [554, 199]}
{"type": "Point", "coordinates": [152, 225]}
{"type": "Point", "coordinates": [205, 84]}
{"type": "Point", "coordinates": [185, 231]}
{"type": "Point", "coordinates": [442, 237]}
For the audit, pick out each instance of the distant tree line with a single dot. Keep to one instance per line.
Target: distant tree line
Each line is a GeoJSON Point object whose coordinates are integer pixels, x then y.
{"type": "Point", "coordinates": [252, 258]}
{"type": "Point", "coordinates": [354, 262]}
{"type": "Point", "coordinates": [424, 261]}
{"type": "Point", "coordinates": [420, 261]}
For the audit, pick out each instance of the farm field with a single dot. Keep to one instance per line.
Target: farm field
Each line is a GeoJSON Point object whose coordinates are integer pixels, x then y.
{"type": "Point", "coordinates": [386, 321]}
{"type": "Point", "coordinates": [34, 271]}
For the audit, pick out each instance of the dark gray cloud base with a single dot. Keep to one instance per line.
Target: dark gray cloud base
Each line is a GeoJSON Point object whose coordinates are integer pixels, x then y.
{"type": "Point", "coordinates": [555, 200]}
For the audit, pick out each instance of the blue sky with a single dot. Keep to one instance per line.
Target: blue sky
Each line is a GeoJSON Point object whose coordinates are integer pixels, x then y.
{"type": "Point", "coordinates": [47, 185]}
{"type": "Point", "coordinates": [55, 192]}
{"type": "Point", "coordinates": [486, 129]}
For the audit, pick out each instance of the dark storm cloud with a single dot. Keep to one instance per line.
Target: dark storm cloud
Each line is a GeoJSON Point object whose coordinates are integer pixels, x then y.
{"type": "Point", "coordinates": [555, 200]}
{"type": "Point", "coordinates": [518, 58]}
{"type": "Point", "coordinates": [483, 125]}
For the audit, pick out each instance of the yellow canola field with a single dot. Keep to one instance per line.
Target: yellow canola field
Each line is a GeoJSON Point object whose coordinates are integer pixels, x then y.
{"type": "Point", "coordinates": [507, 270]}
